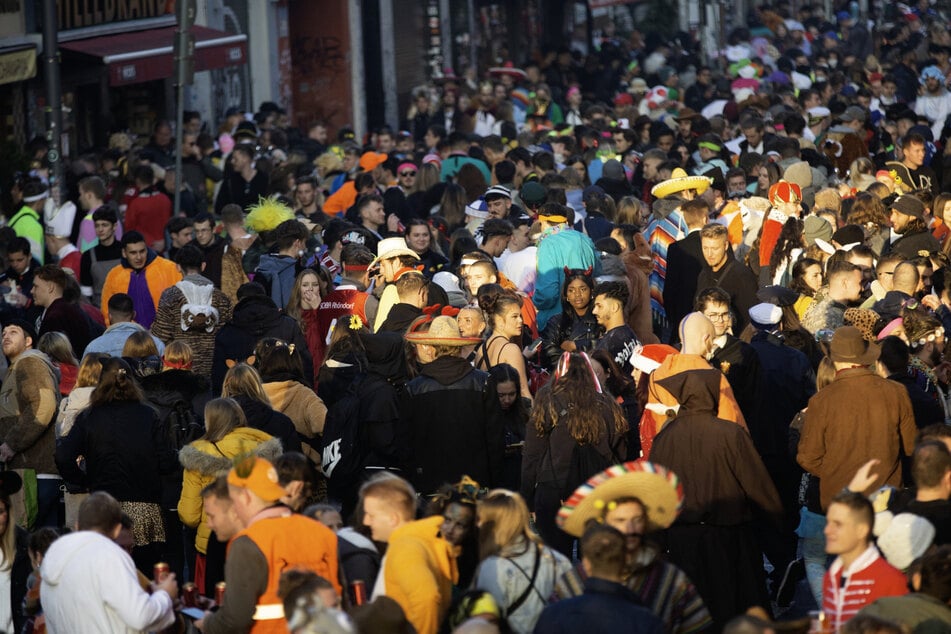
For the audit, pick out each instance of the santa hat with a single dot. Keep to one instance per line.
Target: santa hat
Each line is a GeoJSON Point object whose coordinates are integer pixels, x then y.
{"type": "Point", "coordinates": [648, 358]}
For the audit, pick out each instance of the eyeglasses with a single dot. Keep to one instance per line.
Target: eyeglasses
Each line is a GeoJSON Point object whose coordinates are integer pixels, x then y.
{"type": "Point", "coordinates": [407, 173]}
{"type": "Point", "coordinates": [717, 316]}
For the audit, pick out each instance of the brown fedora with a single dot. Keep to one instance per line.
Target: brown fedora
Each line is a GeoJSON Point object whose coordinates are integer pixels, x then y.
{"type": "Point", "coordinates": [848, 346]}
{"type": "Point", "coordinates": [688, 113]}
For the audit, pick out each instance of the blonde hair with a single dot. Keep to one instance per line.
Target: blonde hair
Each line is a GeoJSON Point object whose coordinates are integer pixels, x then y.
{"type": "Point", "coordinates": [140, 345]}
{"type": "Point", "coordinates": [244, 380]}
{"type": "Point", "coordinates": [90, 369]}
{"type": "Point", "coordinates": [503, 520]}
{"type": "Point", "coordinates": [178, 355]}
{"type": "Point", "coordinates": [825, 373]}
{"type": "Point", "coordinates": [57, 347]}
{"type": "Point", "coordinates": [829, 198]}
{"type": "Point", "coordinates": [630, 211]}
{"type": "Point", "coordinates": [394, 491]}
{"type": "Point", "coordinates": [328, 162]}
{"type": "Point", "coordinates": [222, 416]}
{"type": "Point", "coordinates": [714, 230]}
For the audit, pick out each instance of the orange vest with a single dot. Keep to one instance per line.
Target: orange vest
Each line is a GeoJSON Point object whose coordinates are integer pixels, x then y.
{"type": "Point", "coordinates": [289, 542]}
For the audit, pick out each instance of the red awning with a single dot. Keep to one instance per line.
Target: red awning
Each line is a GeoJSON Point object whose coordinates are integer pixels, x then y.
{"type": "Point", "coordinates": [141, 56]}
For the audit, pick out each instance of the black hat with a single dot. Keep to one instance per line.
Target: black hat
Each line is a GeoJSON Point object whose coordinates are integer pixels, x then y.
{"type": "Point", "coordinates": [10, 482]}
{"type": "Point", "coordinates": [246, 129]}
{"type": "Point", "coordinates": [779, 295]}
{"type": "Point", "coordinates": [849, 234]}
{"type": "Point", "coordinates": [28, 329]}
{"type": "Point", "coordinates": [910, 206]}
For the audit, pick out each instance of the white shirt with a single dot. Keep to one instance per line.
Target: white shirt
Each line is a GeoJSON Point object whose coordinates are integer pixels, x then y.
{"type": "Point", "coordinates": [90, 586]}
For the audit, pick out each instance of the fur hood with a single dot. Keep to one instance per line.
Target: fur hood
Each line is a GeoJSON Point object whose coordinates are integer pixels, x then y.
{"type": "Point", "coordinates": [213, 458]}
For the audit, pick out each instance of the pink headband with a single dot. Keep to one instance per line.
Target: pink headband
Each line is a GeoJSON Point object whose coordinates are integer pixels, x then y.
{"type": "Point", "coordinates": [572, 91]}
{"type": "Point", "coordinates": [562, 368]}
{"type": "Point", "coordinates": [405, 165]}
{"type": "Point", "coordinates": [889, 328]}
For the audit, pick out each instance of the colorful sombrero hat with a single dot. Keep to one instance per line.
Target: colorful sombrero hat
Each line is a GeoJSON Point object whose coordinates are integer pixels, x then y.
{"type": "Point", "coordinates": [443, 331]}
{"type": "Point", "coordinates": [508, 68]}
{"type": "Point", "coordinates": [680, 181]}
{"type": "Point", "coordinates": [658, 488]}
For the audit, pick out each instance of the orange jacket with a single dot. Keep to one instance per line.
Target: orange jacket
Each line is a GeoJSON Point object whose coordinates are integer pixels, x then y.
{"type": "Point", "coordinates": [659, 399]}
{"type": "Point", "coordinates": [159, 273]}
{"type": "Point", "coordinates": [418, 572]}
{"type": "Point", "coordinates": [293, 541]}
{"type": "Point", "coordinates": [341, 200]}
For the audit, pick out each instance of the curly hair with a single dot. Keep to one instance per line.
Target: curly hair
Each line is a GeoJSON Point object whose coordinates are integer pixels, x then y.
{"type": "Point", "coordinates": [867, 209]}
{"type": "Point", "coordinates": [573, 399]}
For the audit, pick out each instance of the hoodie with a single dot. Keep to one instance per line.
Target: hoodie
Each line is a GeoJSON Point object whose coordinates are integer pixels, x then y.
{"type": "Point", "coordinates": [90, 585]}
{"type": "Point", "coordinates": [254, 318]}
{"type": "Point", "coordinates": [263, 417]}
{"type": "Point", "coordinates": [276, 273]}
{"type": "Point", "coordinates": [419, 570]}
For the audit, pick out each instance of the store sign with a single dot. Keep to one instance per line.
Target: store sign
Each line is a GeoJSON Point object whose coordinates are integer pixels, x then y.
{"type": "Point", "coordinates": [75, 14]}
{"type": "Point", "coordinates": [231, 86]}
{"type": "Point", "coordinates": [17, 66]}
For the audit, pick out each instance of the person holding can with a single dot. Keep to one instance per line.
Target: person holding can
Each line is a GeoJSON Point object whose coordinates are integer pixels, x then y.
{"type": "Point", "coordinates": [90, 583]}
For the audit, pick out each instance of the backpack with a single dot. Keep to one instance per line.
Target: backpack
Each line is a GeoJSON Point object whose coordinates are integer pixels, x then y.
{"type": "Point", "coordinates": [182, 424]}
{"type": "Point", "coordinates": [586, 461]}
{"type": "Point", "coordinates": [342, 452]}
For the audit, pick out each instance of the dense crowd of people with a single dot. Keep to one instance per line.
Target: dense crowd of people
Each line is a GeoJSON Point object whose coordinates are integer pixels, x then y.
{"type": "Point", "coordinates": [614, 343]}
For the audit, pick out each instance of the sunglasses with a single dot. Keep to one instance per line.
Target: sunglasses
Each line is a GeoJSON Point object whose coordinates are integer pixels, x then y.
{"type": "Point", "coordinates": [407, 173]}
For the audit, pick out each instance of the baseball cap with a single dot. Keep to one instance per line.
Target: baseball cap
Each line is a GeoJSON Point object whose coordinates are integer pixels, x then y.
{"type": "Point", "coordinates": [533, 193]}
{"type": "Point", "coordinates": [370, 160]}
{"type": "Point", "coordinates": [258, 476]}
{"type": "Point", "coordinates": [853, 113]}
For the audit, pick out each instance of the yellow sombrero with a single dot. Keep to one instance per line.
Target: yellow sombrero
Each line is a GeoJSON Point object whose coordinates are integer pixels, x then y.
{"type": "Point", "coordinates": [657, 487]}
{"type": "Point", "coordinates": [680, 181]}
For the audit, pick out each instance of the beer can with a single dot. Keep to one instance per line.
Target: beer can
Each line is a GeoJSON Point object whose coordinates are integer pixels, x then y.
{"type": "Point", "coordinates": [160, 571]}
{"type": "Point", "coordinates": [190, 595]}
{"type": "Point", "coordinates": [358, 592]}
{"type": "Point", "coordinates": [220, 592]}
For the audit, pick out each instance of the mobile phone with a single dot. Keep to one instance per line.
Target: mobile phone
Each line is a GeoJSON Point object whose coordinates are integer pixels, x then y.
{"type": "Point", "coordinates": [195, 614]}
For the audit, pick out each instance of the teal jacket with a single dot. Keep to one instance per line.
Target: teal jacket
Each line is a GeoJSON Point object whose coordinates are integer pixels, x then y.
{"type": "Point", "coordinates": [560, 248]}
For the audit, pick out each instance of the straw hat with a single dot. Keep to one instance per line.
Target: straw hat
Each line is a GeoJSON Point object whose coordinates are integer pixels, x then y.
{"type": "Point", "coordinates": [444, 331]}
{"type": "Point", "coordinates": [392, 248]}
{"type": "Point", "coordinates": [659, 489]}
{"type": "Point", "coordinates": [680, 181]}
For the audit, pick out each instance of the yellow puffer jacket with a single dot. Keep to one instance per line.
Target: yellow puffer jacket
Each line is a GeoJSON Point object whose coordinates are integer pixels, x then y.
{"type": "Point", "coordinates": [204, 461]}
